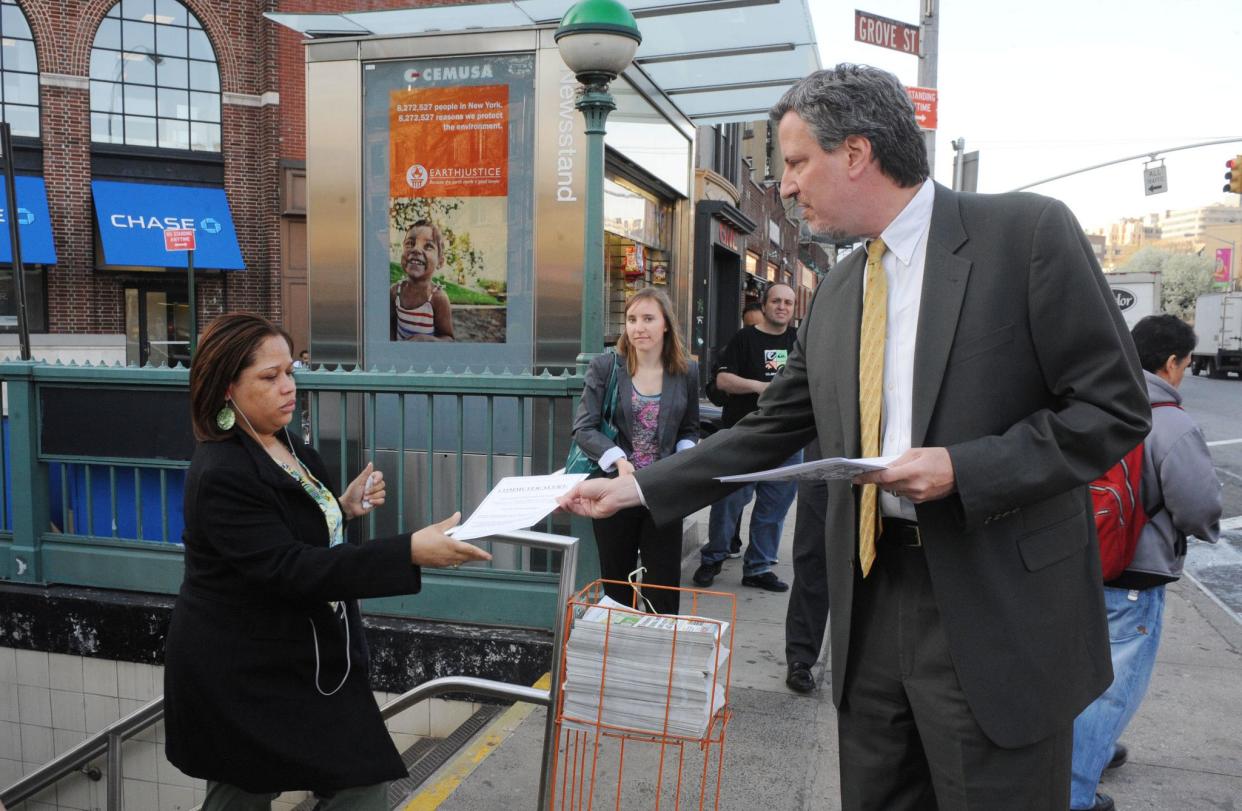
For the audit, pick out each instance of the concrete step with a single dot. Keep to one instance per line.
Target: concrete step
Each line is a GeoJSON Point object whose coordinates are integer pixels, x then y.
{"type": "Point", "coordinates": [425, 757]}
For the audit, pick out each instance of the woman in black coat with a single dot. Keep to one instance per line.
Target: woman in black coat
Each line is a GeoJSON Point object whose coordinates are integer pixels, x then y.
{"type": "Point", "coordinates": [657, 414]}
{"type": "Point", "coordinates": [266, 667]}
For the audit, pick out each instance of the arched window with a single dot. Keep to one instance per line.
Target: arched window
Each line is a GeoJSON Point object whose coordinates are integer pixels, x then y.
{"type": "Point", "coordinates": [19, 90]}
{"type": "Point", "coordinates": [154, 78]}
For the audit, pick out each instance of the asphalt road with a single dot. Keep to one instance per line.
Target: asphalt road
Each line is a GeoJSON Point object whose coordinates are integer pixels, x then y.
{"type": "Point", "coordinates": [1216, 404]}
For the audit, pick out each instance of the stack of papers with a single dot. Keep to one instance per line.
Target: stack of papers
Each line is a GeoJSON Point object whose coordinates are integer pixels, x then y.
{"type": "Point", "coordinates": [635, 684]}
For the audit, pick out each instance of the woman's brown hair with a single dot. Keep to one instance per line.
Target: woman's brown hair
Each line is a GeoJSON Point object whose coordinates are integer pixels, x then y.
{"type": "Point", "coordinates": [227, 348]}
{"type": "Point", "coordinates": [673, 356]}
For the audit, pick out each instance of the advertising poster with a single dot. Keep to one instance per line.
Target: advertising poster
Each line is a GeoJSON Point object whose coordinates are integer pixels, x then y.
{"type": "Point", "coordinates": [448, 210]}
{"type": "Point", "coordinates": [1224, 263]}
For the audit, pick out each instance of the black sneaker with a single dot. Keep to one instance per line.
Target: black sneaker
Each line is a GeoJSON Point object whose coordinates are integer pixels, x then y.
{"type": "Point", "coordinates": [768, 581]}
{"type": "Point", "coordinates": [1120, 755]}
{"type": "Point", "coordinates": [705, 575]}
{"type": "Point", "coordinates": [735, 547]}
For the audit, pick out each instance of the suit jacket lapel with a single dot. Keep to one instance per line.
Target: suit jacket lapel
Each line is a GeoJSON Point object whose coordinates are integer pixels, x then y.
{"type": "Point", "coordinates": [665, 430]}
{"type": "Point", "coordinates": [944, 286]}
{"type": "Point", "coordinates": [843, 337]}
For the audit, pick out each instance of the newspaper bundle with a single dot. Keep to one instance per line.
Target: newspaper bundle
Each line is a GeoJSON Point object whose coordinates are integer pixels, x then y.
{"type": "Point", "coordinates": [639, 682]}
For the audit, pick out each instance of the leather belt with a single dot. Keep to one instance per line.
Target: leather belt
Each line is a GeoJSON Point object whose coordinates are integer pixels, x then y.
{"type": "Point", "coordinates": [901, 532]}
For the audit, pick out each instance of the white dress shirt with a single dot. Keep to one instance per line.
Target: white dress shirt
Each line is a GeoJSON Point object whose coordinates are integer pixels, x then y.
{"type": "Point", "coordinates": [906, 239]}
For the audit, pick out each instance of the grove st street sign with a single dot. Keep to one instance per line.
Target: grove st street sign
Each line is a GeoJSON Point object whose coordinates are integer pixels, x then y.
{"type": "Point", "coordinates": [875, 30]}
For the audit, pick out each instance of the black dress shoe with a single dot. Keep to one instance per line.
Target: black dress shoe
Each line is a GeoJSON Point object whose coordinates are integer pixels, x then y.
{"type": "Point", "coordinates": [800, 679]}
{"type": "Point", "coordinates": [1120, 753]}
{"type": "Point", "coordinates": [768, 581]}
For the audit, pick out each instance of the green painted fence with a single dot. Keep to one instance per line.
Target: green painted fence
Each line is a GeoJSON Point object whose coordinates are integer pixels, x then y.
{"type": "Point", "coordinates": [76, 514]}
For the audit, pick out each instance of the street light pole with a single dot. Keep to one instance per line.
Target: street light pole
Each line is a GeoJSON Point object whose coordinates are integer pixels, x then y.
{"type": "Point", "coordinates": [597, 39]}
{"type": "Point", "coordinates": [596, 103]}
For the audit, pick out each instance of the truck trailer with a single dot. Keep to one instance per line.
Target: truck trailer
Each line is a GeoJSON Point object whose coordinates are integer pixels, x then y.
{"type": "Point", "coordinates": [1218, 323]}
{"type": "Point", "coordinates": [1137, 294]}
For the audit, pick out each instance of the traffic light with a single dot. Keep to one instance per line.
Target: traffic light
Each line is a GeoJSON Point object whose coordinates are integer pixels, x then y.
{"type": "Point", "coordinates": [1234, 175]}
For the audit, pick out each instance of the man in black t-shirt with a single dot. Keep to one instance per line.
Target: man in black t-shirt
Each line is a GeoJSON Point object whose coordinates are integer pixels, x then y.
{"type": "Point", "coordinates": [749, 362]}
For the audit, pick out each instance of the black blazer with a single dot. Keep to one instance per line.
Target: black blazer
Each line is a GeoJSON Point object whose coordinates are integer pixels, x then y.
{"type": "Point", "coordinates": [1025, 372]}
{"type": "Point", "coordinates": [679, 409]}
{"type": "Point", "coordinates": [241, 704]}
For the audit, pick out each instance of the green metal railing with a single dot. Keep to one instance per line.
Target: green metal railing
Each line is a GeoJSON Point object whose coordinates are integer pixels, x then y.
{"type": "Point", "coordinates": [442, 440]}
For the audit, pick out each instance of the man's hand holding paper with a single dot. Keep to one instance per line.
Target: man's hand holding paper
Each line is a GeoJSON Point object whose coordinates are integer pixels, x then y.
{"type": "Point", "coordinates": [919, 475]}
{"type": "Point", "coordinates": [600, 498]}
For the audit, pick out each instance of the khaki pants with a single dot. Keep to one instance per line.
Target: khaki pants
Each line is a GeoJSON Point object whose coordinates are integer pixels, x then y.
{"type": "Point", "coordinates": [223, 797]}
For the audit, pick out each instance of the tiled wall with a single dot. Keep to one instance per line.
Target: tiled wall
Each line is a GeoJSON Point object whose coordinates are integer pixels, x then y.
{"type": "Point", "coordinates": [49, 702]}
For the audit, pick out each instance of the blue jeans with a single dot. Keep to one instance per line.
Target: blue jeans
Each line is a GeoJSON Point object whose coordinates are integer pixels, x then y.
{"type": "Point", "coordinates": [772, 500]}
{"type": "Point", "coordinates": [1134, 633]}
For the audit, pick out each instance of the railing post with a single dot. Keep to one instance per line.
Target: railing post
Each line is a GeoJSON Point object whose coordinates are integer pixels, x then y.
{"type": "Point", "coordinates": [116, 793]}
{"type": "Point", "coordinates": [28, 479]}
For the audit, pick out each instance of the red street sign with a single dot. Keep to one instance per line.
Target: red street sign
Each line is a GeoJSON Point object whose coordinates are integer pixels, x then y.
{"type": "Point", "coordinates": [179, 239]}
{"type": "Point", "coordinates": [876, 30]}
{"type": "Point", "coordinates": [924, 99]}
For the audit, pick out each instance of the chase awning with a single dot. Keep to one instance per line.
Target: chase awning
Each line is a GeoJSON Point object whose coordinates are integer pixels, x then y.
{"type": "Point", "coordinates": [132, 218]}
{"type": "Point", "coordinates": [719, 60]}
{"type": "Point", "coordinates": [34, 223]}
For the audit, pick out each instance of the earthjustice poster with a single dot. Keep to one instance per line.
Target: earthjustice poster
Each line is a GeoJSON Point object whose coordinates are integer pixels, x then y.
{"type": "Point", "coordinates": [448, 209]}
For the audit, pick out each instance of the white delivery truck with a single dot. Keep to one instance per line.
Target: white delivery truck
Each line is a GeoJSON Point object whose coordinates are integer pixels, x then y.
{"type": "Point", "coordinates": [1218, 323]}
{"type": "Point", "coordinates": [1137, 294]}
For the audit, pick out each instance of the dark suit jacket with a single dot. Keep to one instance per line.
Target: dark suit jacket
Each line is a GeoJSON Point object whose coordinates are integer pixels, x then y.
{"type": "Point", "coordinates": [1025, 371]}
{"type": "Point", "coordinates": [679, 409]}
{"type": "Point", "coordinates": [241, 704]}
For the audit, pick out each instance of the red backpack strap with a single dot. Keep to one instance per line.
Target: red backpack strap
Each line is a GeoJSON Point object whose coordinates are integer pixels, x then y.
{"type": "Point", "coordinates": [1166, 404]}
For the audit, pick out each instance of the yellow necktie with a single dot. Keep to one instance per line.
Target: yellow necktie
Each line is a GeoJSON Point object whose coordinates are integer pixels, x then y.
{"type": "Point", "coordinates": [870, 394]}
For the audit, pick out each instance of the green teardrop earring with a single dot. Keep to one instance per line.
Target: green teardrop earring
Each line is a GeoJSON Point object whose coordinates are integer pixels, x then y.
{"type": "Point", "coordinates": [225, 417]}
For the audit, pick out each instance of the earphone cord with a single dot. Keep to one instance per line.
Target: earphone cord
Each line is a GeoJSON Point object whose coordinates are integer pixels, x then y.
{"type": "Point", "coordinates": [348, 658]}
{"type": "Point", "coordinates": [314, 631]}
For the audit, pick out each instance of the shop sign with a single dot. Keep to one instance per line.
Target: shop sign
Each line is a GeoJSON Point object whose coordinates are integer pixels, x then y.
{"type": "Point", "coordinates": [726, 236]}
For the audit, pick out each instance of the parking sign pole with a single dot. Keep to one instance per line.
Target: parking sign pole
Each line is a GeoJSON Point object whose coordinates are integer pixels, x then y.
{"type": "Point", "coordinates": [189, 269]}
{"type": "Point", "coordinates": [15, 242]}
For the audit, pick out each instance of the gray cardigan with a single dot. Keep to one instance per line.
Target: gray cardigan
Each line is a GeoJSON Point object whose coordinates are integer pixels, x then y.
{"type": "Point", "coordinates": [679, 409]}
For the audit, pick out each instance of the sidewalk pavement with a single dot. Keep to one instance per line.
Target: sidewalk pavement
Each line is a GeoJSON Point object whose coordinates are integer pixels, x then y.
{"type": "Point", "coordinates": [781, 750]}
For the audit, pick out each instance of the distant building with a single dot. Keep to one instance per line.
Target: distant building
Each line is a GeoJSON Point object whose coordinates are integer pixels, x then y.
{"type": "Point", "coordinates": [1189, 223]}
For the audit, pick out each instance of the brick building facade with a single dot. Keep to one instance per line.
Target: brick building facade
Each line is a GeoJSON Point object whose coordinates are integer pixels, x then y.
{"type": "Point", "coordinates": [259, 164]}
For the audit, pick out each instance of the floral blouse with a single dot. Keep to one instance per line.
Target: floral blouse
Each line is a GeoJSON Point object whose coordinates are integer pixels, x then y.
{"type": "Point", "coordinates": [646, 443]}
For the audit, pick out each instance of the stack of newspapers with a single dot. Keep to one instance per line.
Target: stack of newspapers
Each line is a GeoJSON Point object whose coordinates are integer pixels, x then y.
{"type": "Point", "coordinates": [646, 683]}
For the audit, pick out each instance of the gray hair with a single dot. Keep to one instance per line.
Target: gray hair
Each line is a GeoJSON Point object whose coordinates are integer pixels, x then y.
{"type": "Point", "coordinates": [865, 101]}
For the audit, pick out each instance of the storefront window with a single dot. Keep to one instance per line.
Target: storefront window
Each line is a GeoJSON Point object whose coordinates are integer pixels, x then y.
{"type": "Point", "coordinates": [638, 235]}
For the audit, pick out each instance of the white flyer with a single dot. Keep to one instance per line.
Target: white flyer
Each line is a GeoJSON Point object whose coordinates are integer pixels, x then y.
{"type": "Point", "coordinates": [516, 502]}
{"type": "Point", "coordinates": [825, 469]}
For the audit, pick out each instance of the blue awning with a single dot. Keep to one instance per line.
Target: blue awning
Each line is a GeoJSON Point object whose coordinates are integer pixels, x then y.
{"type": "Point", "coordinates": [132, 218]}
{"type": "Point", "coordinates": [34, 223]}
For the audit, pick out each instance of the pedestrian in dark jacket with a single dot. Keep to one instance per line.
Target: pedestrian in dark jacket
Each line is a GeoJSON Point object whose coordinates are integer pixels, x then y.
{"type": "Point", "coordinates": [266, 668]}
{"type": "Point", "coordinates": [1181, 496]}
{"type": "Point", "coordinates": [657, 414]}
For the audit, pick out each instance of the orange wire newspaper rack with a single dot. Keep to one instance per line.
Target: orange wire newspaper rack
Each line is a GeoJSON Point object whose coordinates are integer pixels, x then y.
{"type": "Point", "coordinates": [644, 697]}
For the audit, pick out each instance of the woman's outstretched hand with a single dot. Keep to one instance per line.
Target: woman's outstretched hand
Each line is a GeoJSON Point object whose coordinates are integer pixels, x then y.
{"type": "Point", "coordinates": [431, 547]}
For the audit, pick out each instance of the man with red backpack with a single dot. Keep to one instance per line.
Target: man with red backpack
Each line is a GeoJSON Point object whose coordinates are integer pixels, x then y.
{"type": "Point", "coordinates": [1180, 496]}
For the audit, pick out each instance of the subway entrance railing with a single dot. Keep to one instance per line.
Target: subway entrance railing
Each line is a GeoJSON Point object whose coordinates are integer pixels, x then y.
{"type": "Point", "coordinates": [95, 458]}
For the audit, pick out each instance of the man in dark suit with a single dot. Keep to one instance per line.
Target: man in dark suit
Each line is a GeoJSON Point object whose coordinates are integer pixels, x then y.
{"type": "Point", "coordinates": [968, 626]}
